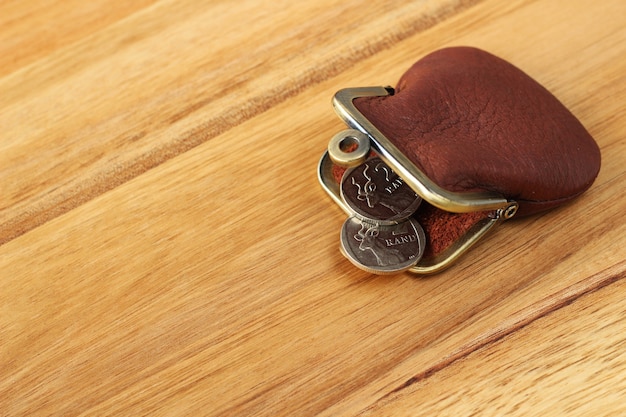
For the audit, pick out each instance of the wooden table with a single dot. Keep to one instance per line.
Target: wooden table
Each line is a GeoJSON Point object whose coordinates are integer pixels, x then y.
{"type": "Point", "coordinates": [166, 249]}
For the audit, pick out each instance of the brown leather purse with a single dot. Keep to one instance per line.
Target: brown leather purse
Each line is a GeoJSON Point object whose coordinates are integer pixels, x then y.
{"type": "Point", "coordinates": [478, 139]}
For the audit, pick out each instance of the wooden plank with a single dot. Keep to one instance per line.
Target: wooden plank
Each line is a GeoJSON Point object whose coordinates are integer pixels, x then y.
{"type": "Point", "coordinates": [143, 87]}
{"type": "Point", "coordinates": [571, 362]}
{"type": "Point", "coordinates": [212, 284]}
{"type": "Point", "coordinates": [32, 30]}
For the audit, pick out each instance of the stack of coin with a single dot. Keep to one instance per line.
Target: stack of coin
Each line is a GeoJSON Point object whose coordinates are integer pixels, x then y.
{"type": "Point", "coordinates": [381, 237]}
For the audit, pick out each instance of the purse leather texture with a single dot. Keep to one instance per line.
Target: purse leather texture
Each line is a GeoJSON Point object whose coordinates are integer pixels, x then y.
{"type": "Point", "coordinates": [473, 122]}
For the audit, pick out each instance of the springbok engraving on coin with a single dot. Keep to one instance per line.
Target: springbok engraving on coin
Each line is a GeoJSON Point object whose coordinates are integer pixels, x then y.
{"type": "Point", "coordinates": [367, 237]}
{"type": "Point", "coordinates": [376, 193]}
{"type": "Point", "coordinates": [382, 248]}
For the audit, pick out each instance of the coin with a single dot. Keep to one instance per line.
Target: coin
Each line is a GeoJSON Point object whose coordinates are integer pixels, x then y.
{"type": "Point", "coordinates": [374, 192]}
{"type": "Point", "coordinates": [382, 249]}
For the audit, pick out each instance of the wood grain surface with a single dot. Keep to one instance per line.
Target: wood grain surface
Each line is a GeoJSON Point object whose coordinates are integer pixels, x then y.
{"type": "Point", "coordinates": [166, 249]}
{"type": "Point", "coordinates": [569, 363]}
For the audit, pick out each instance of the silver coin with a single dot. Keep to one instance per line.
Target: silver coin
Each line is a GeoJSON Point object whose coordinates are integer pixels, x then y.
{"type": "Point", "coordinates": [382, 249]}
{"type": "Point", "coordinates": [374, 192]}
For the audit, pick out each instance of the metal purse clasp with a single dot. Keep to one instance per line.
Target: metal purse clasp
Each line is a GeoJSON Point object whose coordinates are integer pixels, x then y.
{"type": "Point", "coordinates": [414, 177]}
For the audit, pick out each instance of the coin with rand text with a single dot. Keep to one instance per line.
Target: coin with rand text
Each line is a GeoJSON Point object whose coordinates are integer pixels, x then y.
{"type": "Point", "coordinates": [374, 192]}
{"type": "Point", "coordinates": [382, 249]}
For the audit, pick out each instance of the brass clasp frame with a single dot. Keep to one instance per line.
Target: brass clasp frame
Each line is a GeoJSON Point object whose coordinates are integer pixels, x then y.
{"type": "Point", "coordinates": [420, 183]}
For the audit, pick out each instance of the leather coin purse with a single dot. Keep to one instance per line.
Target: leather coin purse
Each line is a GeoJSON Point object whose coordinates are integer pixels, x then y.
{"type": "Point", "coordinates": [475, 137]}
